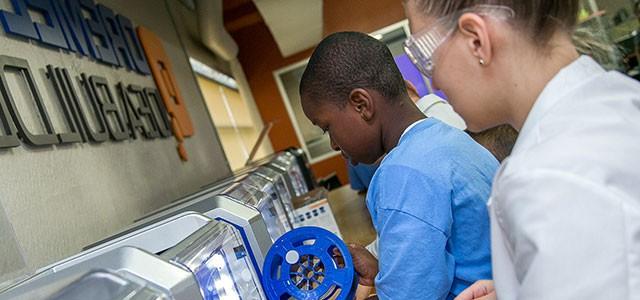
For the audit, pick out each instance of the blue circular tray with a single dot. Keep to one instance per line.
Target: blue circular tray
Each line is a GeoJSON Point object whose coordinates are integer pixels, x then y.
{"type": "Point", "coordinates": [301, 265]}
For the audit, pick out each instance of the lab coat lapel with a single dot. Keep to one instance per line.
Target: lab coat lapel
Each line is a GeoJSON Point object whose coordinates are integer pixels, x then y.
{"type": "Point", "coordinates": [555, 92]}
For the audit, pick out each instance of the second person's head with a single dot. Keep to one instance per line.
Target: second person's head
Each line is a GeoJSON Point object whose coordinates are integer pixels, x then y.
{"type": "Point", "coordinates": [485, 54]}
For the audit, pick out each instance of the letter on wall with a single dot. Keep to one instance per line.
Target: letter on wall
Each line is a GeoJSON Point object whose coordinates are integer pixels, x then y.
{"type": "Point", "coordinates": [160, 66]}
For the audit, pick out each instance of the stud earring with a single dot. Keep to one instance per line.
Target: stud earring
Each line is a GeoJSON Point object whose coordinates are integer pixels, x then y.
{"type": "Point", "coordinates": [482, 62]}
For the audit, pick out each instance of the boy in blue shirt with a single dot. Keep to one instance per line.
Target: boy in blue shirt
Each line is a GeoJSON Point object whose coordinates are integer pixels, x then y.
{"type": "Point", "coordinates": [428, 197]}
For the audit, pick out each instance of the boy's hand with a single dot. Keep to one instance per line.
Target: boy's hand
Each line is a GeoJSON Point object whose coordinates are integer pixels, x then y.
{"type": "Point", "coordinates": [365, 263]}
{"type": "Point", "coordinates": [481, 290]}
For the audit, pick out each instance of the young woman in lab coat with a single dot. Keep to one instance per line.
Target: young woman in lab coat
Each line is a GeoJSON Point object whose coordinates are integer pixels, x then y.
{"type": "Point", "coordinates": [565, 207]}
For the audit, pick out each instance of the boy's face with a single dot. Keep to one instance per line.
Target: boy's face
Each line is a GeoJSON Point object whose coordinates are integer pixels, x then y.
{"type": "Point", "coordinates": [357, 138]}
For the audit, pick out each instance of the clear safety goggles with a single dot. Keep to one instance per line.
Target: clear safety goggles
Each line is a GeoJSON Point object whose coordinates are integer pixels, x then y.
{"type": "Point", "coordinates": [420, 47]}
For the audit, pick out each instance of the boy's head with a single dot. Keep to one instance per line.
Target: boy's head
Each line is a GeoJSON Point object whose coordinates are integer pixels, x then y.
{"type": "Point", "coordinates": [350, 83]}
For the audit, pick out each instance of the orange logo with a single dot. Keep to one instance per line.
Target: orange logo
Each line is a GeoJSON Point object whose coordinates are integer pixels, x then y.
{"type": "Point", "coordinates": [166, 82]}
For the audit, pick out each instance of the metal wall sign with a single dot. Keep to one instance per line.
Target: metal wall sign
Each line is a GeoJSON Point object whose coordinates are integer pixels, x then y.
{"type": "Point", "coordinates": [95, 110]}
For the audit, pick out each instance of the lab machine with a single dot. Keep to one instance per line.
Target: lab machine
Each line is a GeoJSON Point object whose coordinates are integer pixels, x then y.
{"type": "Point", "coordinates": [123, 273]}
{"type": "Point", "coordinates": [211, 263]}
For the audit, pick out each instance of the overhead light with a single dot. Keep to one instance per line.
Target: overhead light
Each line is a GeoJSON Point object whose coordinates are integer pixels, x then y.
{"type": "Point", "coordinates": [213, 74]}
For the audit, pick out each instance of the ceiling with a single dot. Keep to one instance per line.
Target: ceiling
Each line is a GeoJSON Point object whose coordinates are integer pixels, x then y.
{"type": "Point", "coordinates": [295, 25]}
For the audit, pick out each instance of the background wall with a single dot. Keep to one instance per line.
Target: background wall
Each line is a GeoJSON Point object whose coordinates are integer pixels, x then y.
{"type": "Point", "coordinates": [242, 107]}
{"type": "Point", "coordinates": [56, 200]}
{"type": "Point", "coordinates": [260, 56]}
{"type": "Point", "coordinates": [236, 128]}
{"type": "Point", "coordinates": [360, 15]}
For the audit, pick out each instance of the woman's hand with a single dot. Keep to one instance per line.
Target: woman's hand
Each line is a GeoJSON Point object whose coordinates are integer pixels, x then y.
{"type": "Point", "coordinates": [481, 290]}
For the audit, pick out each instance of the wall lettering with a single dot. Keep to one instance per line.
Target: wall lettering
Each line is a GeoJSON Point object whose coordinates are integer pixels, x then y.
{"type": "Point", "coordinates": [95, 110]}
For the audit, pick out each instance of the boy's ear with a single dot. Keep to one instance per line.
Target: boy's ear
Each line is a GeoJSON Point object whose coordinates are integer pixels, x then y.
{"type": "Point", "coordinates": [362, 102]}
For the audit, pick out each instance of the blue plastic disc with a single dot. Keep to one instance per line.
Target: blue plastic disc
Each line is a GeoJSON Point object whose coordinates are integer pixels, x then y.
{"type": "Point", "coordinates": [301, 265]}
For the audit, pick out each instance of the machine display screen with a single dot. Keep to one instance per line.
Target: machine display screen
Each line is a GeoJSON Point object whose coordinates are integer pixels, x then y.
{"type": "Point", "coordinates": [218, 258]}
{"type": "Point", "coordinates": [295, 173]}
{"type": "Point", "coordinates": [274, 196]}
{"type": "Point", "coordinates": [246, 193]}
{"type": "Point", "coordinates": [271, 216]}
{"type": "Point", "coordinates": [286, 198]}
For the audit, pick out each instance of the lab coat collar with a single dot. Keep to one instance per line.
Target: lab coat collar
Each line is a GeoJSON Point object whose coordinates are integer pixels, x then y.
{"type": "Point", "coordinates": [568, 79]}
{"type": "Point", "coordinates": [427, 102]}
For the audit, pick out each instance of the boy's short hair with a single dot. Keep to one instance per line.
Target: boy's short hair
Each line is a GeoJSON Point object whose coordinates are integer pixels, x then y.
{"type": "Point", "coordinates": [345, 61]}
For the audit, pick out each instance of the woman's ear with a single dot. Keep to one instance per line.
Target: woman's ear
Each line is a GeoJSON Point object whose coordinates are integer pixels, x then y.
{"type": "Point", "coordinates": [362, 102]}
{"type": "Point", "coordinates": [475, 30]}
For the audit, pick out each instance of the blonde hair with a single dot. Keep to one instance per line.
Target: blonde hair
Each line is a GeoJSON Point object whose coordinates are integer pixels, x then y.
{"type": "Point", "coordinates": [539, 18]}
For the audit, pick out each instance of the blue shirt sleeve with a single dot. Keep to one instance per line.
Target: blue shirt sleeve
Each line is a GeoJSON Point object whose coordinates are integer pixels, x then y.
{"type": "Point", "coordinates": [411, 211]}
{"type": "Point", "coordinates": [413, 261]}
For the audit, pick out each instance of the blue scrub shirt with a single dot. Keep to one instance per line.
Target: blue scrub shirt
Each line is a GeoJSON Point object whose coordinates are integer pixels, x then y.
{"type": "Point", "coordinates": [428, 204]}
{"type": "Point", "coordinates": [360, 175]}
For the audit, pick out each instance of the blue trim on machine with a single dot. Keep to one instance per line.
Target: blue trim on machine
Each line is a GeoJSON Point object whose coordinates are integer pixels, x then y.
{"type": "Point", "coordinates": [246, 242]}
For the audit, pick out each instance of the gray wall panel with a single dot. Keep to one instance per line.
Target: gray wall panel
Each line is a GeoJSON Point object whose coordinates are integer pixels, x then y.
{"type": "Point", "coordinates": [59, 199]}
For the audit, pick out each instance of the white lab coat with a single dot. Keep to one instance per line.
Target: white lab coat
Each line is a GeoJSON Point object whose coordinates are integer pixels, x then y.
{"type": "Point", "coordinates": [565, 206]}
